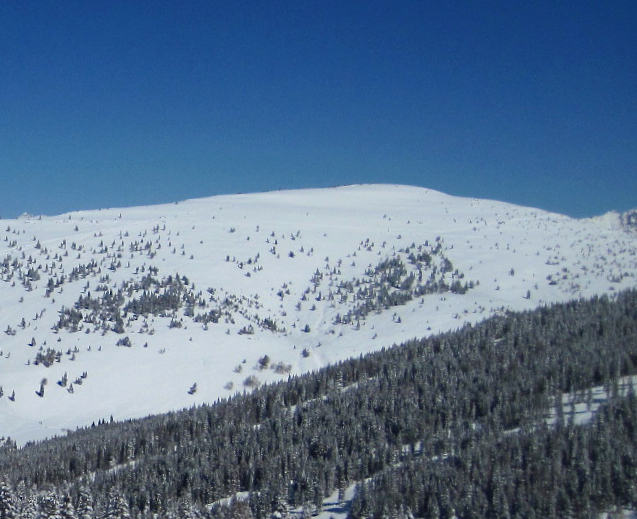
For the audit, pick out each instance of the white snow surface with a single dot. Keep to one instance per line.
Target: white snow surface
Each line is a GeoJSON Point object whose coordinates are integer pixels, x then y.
{"type": "Point", "coordinates": [263, 252]}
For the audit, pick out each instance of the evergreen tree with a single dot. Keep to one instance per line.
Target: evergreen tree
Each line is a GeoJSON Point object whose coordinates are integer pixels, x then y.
{"type": "Point", "coordinates": [50, 506]}
{"type": "Point", "coordinates": [84, 504]}
{"type": "Point", "coordinates": [68, 510]}
{"type": "Point", "coordinates": [116, 506]}
{"type": "Point", "coordinates": [8, 502]}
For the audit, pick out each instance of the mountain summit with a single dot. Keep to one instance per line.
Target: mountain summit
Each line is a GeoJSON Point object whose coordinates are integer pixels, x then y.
{"type": "Point", "coordinates": [130, 312]}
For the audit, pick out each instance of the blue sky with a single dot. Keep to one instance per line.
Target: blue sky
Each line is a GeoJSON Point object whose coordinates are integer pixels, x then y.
{"type": "Point", "coordinates": [109, 104]}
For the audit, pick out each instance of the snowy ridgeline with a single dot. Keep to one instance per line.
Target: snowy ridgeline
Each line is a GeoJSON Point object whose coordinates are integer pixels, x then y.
{"type": "Point", "coordinates": [130, 312]}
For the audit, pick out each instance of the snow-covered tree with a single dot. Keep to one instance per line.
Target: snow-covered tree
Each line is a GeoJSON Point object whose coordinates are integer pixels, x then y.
{"type": "Point", "coordinates": [8, 504]}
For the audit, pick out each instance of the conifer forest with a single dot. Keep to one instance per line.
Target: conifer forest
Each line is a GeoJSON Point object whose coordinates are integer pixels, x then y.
{"type": "Point", "coordinates": [525, 415]}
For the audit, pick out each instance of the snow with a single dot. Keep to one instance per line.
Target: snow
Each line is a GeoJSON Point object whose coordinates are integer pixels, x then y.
{"type": "Point", "coordinates": [575, 407]}
{"type": "Point", "coordinates": [510, 251]}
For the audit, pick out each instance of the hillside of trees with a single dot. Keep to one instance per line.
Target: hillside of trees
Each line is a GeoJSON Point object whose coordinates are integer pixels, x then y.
{"type": "Point", "coordinates": [450, 425]}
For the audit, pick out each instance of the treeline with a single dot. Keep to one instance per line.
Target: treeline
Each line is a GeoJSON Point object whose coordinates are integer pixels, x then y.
{"type": "Point", "coordinates": [426, 415]}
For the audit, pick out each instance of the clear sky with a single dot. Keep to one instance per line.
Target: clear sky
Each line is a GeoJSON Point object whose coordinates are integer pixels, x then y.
{"type": "Point", "coordinates": [119, 103]}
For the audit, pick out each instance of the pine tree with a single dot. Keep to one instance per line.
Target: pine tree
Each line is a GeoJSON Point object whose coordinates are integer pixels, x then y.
{"type": "Point", "coordinates": [7, 501]}
{"type": "Point", "coordinates": [50, 506]}
{"type": "Point", "coordinates": [186, 510]}
{"type": "Point", "coordinates": [116, 506]}
{"type": "Point", "coordinates": [68, 510]}
{"type": "Point", "coordinates": [85, 504]}
{"type": "Point", "coordinates": [240, 509]}
{"type": "Point", "coordinates": [29, 508]}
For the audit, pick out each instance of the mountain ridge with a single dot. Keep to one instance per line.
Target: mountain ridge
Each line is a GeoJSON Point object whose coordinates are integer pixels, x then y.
{"type": "Point", "coordinates": [124, 311]}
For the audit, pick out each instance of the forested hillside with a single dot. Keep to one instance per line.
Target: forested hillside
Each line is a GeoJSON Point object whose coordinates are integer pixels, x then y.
{"type": "Point", "coordinates": [456, 423]}
{"type": "Point", "coordinates": [141, 311]}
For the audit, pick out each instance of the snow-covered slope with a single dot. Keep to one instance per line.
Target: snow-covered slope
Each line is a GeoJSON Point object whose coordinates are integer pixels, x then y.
{"type": "Point", "coordinates": [130, 312]}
